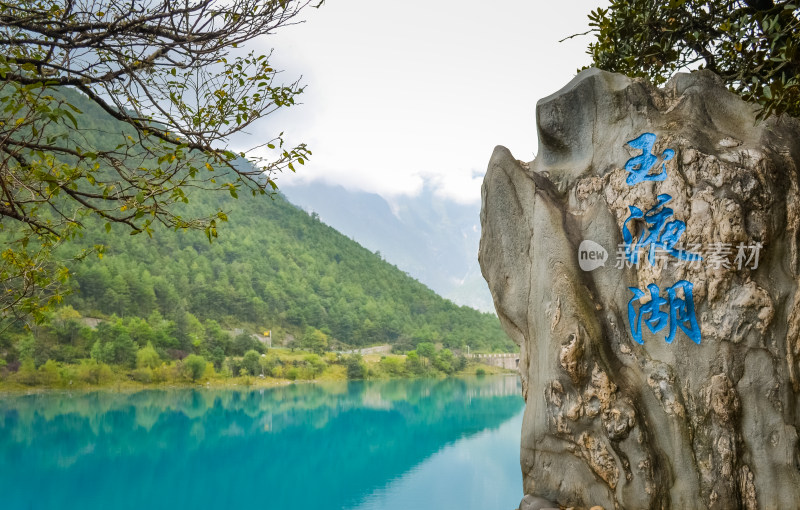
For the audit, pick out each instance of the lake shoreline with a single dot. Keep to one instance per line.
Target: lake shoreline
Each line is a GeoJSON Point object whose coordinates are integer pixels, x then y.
{"type": "Point", "coordinates": [9, 389]}
{"type": "Point", "coordinates": [276, 368]}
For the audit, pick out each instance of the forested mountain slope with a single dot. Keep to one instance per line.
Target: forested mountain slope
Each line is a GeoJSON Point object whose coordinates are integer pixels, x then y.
{"type": "Point", "coordinates": [272, 267]}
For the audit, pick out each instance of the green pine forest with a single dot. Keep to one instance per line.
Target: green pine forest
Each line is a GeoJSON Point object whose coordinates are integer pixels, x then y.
{"type": "Point", "coordinates": [273, 267]}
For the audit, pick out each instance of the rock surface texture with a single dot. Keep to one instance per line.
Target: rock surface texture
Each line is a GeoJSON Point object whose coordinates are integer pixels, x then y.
{"type": "Point", "coordinates": [610, 421]}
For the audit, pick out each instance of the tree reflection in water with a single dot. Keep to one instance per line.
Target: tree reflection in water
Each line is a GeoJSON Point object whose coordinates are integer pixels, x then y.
{"type": "Point", "coordinates": [298, 446]}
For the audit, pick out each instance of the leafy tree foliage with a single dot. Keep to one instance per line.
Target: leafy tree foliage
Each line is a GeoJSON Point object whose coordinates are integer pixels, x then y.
{"type": "Point", "coordinates": [245, 342]}
{"type": "Point", "coordinates": [292, 373]}
{"type": "Point", "coordinates": [40, 356]}
{"type": "Point", "coordinates": [426, 350]}
{"type": "Point", "coordinates": [314, 365]}
{"type": "Point", "coordinates": [356, 369]}
{"type": "Point", "coordinates": [752, 44]}
{"type": "Point", "coordinates": [251, 362]}
{"type": "Point", "coordinates": [93, 372]}
{"type": "Point", "coordinates": [114, 345]}
{"type": "Point", "coordinates": [159, 75]}
{"type": "Point", "coordinates": [315, 340]}
{"type": "Point", "coordinates": [194, 366]}
{"type": "Point", "coordinates": [393, 366]}
{"type": "Point", "coordinates": [445, 361]}
{"type": "Point", "coordinates": [414, 363]}
{"type": "Point", "coordinates": [147, 357]}
{"type": "Point", "coordinates": [269, 364]}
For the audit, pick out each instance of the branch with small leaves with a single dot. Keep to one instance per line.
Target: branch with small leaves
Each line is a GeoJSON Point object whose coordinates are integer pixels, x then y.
{"type": "Point", "coordinates": [754, 45]}
{"type": "Point", "coordinates": [170, 86]}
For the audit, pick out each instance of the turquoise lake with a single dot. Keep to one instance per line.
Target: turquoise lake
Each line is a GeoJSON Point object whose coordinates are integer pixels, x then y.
{"type": "Point", "coordinates": [375, 445]}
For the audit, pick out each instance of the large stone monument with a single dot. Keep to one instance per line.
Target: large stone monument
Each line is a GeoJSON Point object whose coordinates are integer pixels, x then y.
{"type": "Point", "coordinates": [646, 262]}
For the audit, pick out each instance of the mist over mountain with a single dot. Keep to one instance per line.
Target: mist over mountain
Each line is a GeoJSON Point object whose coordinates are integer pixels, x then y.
{"type": "Point", "coordinates": [432, 239]}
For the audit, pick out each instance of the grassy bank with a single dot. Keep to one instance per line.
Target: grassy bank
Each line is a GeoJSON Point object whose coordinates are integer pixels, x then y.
{"type": "Point", "coordinates": [277, 367]}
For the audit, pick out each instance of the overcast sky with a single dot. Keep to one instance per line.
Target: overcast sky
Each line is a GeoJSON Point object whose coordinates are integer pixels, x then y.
{"type": "Point", "coordinates": [402, 93]}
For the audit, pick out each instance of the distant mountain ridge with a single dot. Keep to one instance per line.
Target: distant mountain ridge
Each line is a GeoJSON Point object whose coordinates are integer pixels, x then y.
{"type": "Point", "coordinates": [432, 239]}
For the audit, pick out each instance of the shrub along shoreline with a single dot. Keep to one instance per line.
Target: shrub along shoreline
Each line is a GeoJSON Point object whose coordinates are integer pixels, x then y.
{"type": "Point", "coordinates": [259, 369]}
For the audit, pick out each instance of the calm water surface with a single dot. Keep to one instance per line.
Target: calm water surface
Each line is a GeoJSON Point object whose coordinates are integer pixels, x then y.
{"type": "Point", "coordinates": [387, 445]}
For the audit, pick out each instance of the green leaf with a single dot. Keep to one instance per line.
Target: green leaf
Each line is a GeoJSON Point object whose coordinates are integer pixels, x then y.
{"type": "Point", "coordinates": [71, 117]}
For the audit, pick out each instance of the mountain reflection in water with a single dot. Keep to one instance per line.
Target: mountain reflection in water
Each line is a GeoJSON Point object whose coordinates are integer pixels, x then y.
{"type": "Point", "coordinates": [365, 445]}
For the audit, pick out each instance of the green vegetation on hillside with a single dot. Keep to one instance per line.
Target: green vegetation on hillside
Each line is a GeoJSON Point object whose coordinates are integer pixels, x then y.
{"type": "Point", "coordinates": [175, 83]}
{"type": "Point", "coordinates": [273, 268]}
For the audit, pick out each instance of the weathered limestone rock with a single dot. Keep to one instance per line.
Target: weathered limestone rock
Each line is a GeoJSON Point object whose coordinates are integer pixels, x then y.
{"type": "Point", "coordinates": [610, 421]}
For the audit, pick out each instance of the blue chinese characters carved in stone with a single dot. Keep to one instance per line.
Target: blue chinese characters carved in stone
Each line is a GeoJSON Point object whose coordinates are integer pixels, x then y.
{"type": "Point", "coordinates": [638, 167]}
{"type": "Point", "coordinates": [659, 233]}
{"type": "Point", "coordinates": [680, 314]}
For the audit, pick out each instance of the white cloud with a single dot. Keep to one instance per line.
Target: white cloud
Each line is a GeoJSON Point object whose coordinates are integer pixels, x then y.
{"type": "Point", "coordinates": [401, 93]}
